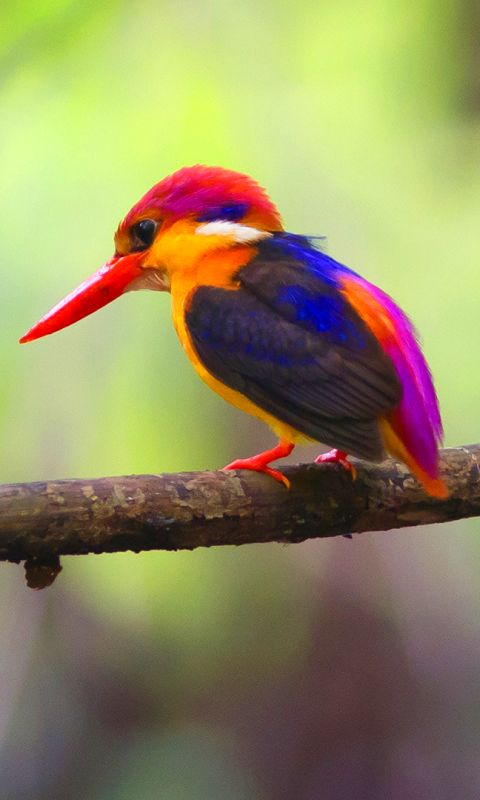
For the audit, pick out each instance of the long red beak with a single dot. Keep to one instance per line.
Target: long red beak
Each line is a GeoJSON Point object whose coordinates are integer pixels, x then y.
{"type": "Point", "coordinates": [109, 282]}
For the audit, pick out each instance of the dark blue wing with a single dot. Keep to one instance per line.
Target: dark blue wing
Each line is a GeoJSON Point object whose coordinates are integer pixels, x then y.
{"type": "Point", "coordinates": [289, 341]}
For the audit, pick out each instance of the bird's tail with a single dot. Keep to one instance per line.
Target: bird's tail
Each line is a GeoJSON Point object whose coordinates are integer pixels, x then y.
{"type": "Point", "coordinates": [431, 483]}
{"type": "Point", "coordinates": [413, 430]}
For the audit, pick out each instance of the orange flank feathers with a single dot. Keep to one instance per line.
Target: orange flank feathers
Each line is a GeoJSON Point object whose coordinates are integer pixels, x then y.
{"type": "Point", "coordinates": [411, 431]}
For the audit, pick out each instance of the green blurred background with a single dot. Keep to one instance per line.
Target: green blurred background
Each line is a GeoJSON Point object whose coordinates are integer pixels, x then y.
{"type": "Point", "coordinates": [322, 671]}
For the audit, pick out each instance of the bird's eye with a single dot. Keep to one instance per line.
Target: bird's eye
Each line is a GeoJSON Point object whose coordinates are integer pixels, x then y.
{"type": "Point", "coordinates": [142, 234]}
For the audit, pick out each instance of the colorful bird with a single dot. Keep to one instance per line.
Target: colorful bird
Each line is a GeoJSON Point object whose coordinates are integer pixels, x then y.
{"type": "Point", "coordinates": [274, 325]}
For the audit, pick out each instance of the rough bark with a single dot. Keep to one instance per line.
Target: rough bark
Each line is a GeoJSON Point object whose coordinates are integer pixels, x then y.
{"type": "Point", "coordinates": [41, 521]}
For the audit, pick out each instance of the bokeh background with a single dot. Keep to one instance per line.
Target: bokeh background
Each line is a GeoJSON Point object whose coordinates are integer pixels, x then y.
{"type": "Point", "coordinates": [323, 671]}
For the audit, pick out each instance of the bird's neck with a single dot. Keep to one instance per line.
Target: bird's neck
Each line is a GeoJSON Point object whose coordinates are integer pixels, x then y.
{"type": "Point", "coordinates": [190, 259]}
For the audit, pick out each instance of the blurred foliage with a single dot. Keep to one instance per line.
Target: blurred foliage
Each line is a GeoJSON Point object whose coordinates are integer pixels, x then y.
{"type": "Point", "coordinates": [341, 669]}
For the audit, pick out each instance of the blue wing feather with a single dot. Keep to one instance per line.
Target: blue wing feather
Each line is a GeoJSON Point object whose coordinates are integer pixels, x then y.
{"type": "Point", "coordinates": [290, 342]}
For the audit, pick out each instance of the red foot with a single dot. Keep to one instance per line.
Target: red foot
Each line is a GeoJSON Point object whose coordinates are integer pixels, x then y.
{"type": "Point", "coordinates": [337, 457]}
{"type": "Point", "coordinates": [260, 462]}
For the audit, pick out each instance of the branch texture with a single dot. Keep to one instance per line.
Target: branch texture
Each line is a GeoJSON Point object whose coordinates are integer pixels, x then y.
{"type": "Point", "coordinates": [41, 521]}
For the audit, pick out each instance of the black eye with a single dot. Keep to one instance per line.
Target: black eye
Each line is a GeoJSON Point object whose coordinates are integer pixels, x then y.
{"type": "Point", "coordinates": [142, 234]}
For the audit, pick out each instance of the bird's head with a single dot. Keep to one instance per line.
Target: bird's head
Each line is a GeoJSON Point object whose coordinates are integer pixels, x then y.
{"type": "Point", "coordinates": [189, 215]}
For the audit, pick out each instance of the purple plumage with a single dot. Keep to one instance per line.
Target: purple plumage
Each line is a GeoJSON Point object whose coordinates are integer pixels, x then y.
{"type": "Point", "coordinates": [416, 422]}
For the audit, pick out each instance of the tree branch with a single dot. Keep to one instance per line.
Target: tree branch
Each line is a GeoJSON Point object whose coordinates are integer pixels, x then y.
{"type": "Point", "coordinates": [41, 521]}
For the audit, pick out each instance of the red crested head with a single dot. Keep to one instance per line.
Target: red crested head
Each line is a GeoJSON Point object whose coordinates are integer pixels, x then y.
{"type": "Point", "coordinates": [206, 194]}
{"type": "Point", "coordinates": [238, 209]}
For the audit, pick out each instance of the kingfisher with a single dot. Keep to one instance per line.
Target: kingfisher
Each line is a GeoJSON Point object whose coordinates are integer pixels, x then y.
{"type": "Point", "coordinates": [274, 324]}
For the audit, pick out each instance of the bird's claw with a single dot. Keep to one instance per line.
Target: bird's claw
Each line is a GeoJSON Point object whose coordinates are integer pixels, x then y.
{"type": "Point", "coordinates": [247, 463]}
{"type": "Point", "coordinates": [337, 457]}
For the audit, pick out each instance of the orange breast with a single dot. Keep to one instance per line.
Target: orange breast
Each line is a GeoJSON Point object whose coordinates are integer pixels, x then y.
{"type": "Point", "coordinates": [218, 269]}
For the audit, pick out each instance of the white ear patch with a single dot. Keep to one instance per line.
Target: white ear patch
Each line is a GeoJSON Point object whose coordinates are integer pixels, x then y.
{"type": "Point", "coordinates": [233, 230]}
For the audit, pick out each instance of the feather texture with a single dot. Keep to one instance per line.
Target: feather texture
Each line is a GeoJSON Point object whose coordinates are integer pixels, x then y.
{"type": "Point", "coordinates": [291, 343]}
{"type": "Point", "coordinates": [323, 350]}
{"type": "Point", "coordinates": [415, 421]}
